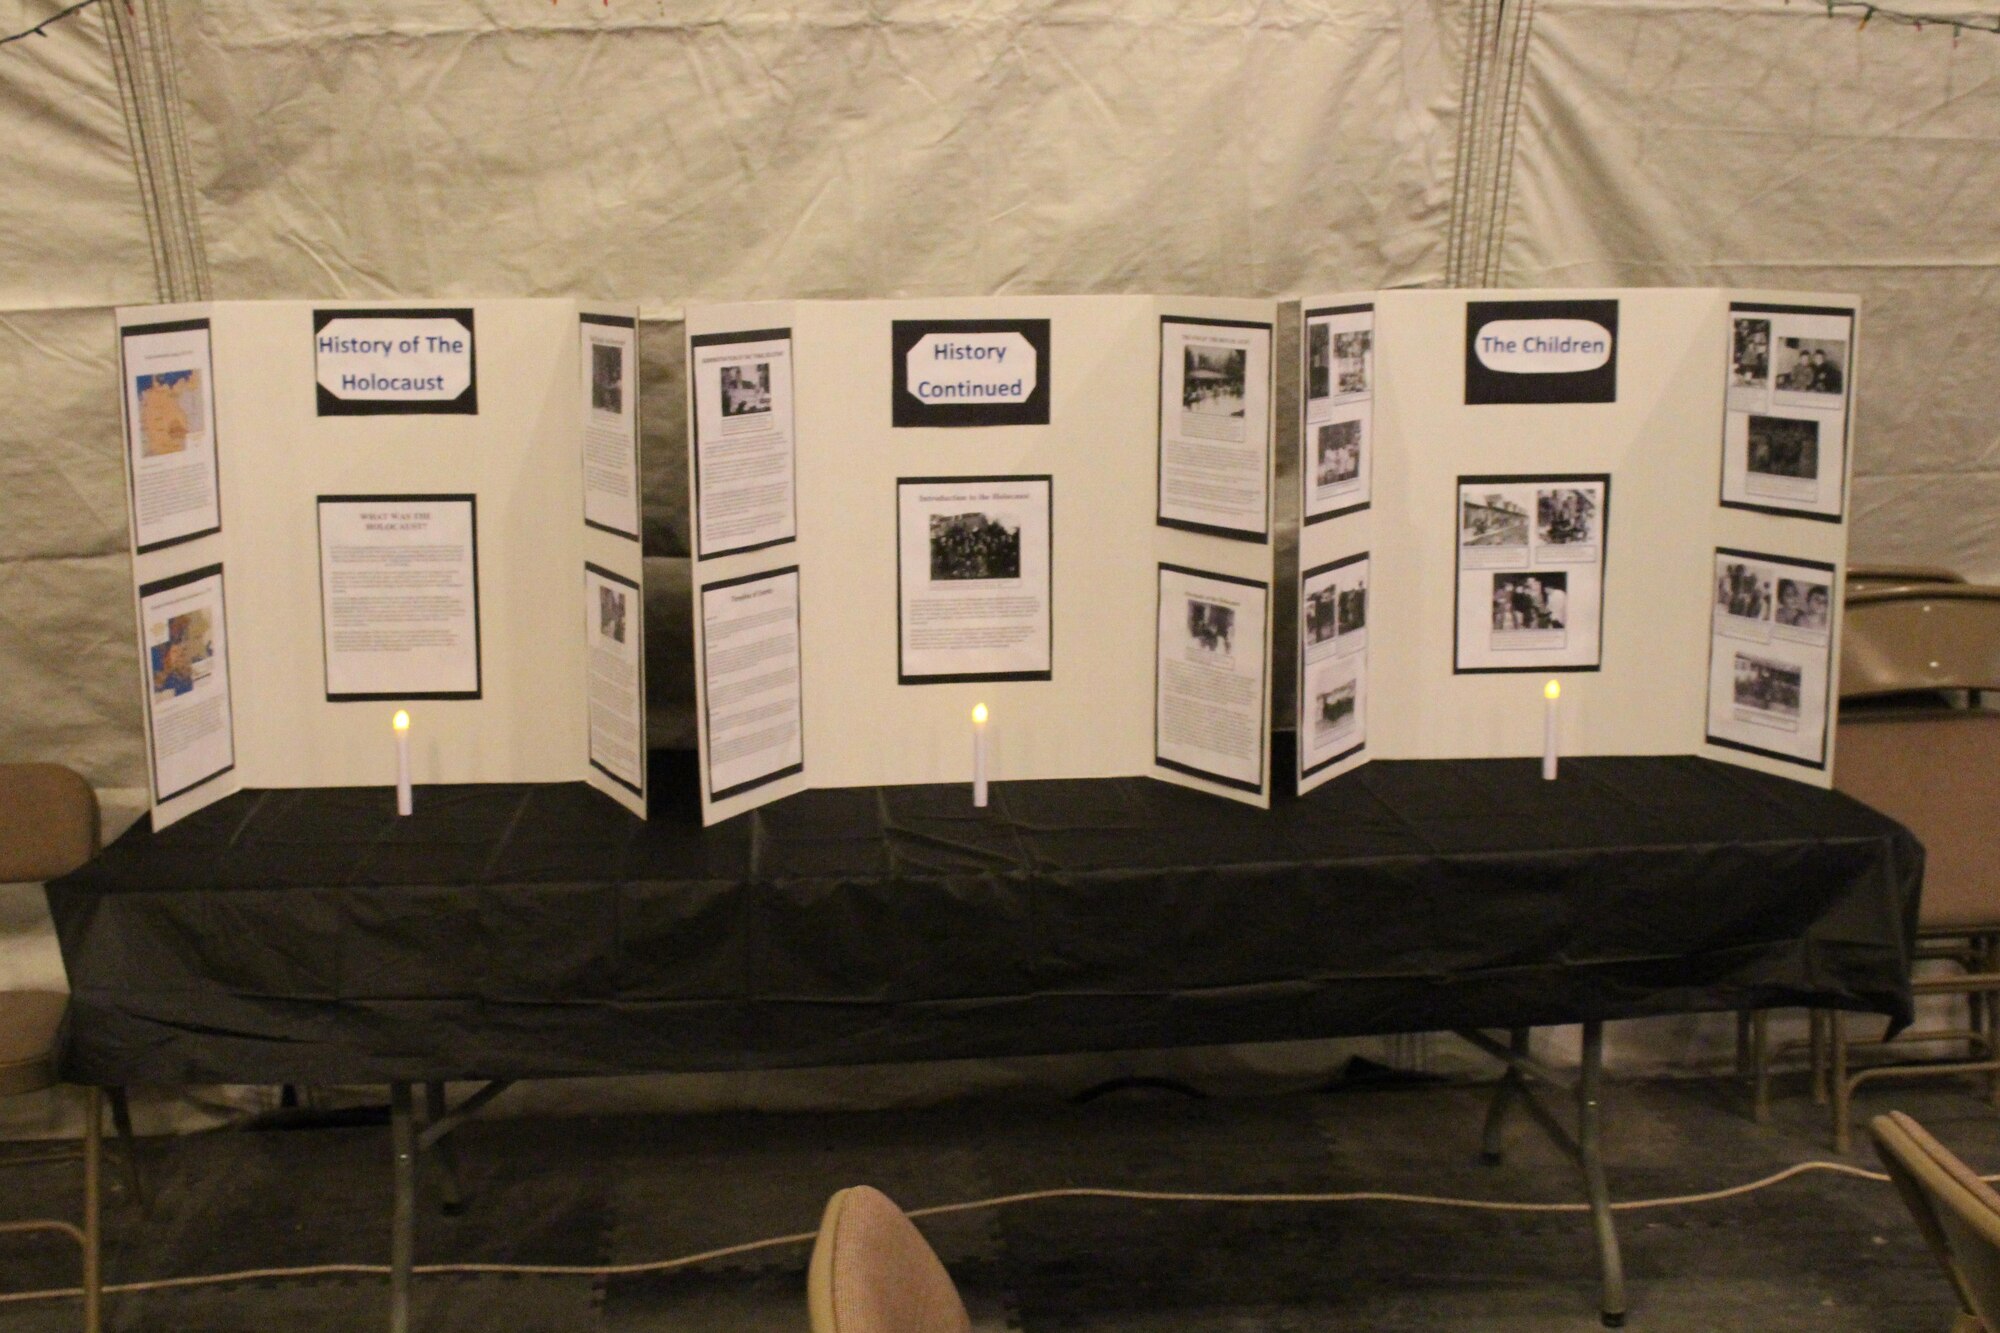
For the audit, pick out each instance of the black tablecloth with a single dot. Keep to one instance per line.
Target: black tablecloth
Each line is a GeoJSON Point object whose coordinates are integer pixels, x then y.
{"type": "Point", "coordinates": [311, 936]}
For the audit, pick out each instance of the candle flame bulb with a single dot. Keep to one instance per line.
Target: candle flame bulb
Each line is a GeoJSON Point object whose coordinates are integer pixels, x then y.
{"type": "Point", "coordinates": [1551, 691]}
{"type": "Point", "coordinates": [979, 755]}
{"type": "Point", "coordinates": [401, 722]}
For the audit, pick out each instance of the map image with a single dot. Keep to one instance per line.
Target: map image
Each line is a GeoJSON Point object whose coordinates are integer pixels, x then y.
{"type": "Point", "coordinates": [184, 656]}
{"type": "Point", "coordinates": [170, 410]}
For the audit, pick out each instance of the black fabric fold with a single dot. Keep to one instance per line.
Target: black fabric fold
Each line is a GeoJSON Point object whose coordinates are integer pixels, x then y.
{"type": "Point", "coordinates": [507, 930]}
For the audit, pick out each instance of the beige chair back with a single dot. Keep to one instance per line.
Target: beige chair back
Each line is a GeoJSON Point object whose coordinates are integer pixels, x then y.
{"type": "Point", "coordinates": [1941, 637]}
{"type": "Point", "coordinates": [48, 822]}
{"type": "Point", "coordinates": [1937, 773]}
{"type": "Point", "coordinates": [1933, 769]}
{"type": "Point", "coordinates": [873, 1272]}
{"type": "Point", "coordinates": [1867, 578]}
{"type": "Point", "coordinates": [1958, 1214]}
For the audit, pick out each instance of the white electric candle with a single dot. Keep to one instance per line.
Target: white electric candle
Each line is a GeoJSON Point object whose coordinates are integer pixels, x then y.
{"type": "Point", "coordinates": [1551, 692]}
{"type": "Point", "coordinates": [401, 722]}
{"type": "Point", "coordinates": [979, 755]}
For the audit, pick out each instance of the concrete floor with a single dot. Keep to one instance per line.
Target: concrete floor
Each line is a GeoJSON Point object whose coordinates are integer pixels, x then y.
{"type": "Point", "coordinates": [1822, 1252]}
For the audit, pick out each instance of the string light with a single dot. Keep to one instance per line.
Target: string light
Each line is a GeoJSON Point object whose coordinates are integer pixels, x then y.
{"type": "Point", "coordinates": [37, 30]}
{"type": "Point", "coordinates": [1869, 11]}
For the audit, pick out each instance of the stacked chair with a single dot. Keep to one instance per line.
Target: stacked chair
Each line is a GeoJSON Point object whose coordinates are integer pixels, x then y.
{"type": "Point", "coordinates": [49, 826]}
{"type": "Point", "coordinates": [1919, 650]}
{"type": "Point", "coordinates": [1957, 1213]}
{"type": "Point", "coordinates": [1915, 743]}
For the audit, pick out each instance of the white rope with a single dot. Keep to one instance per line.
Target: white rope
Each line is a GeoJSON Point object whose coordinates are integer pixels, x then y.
{"type": "Point", "coordinates": [944, 1209]}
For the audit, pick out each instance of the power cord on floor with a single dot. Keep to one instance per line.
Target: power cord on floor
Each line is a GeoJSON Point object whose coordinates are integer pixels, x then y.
{"type": "Point", "coordinates": [942, 1209]}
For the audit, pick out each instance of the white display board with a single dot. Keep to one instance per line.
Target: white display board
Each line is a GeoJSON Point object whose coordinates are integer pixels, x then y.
{"type": "Point", "coordinates": [1604, 422]}
{"type": "Point", "coordinates": [1045, 504]}
{"type": "Point", "coordinates": [978, 493]}
{"type": "Point", "coordinates": [345, 508]}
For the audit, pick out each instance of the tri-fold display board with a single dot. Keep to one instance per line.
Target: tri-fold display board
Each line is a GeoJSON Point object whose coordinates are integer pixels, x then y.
{"type": "Point", "coordinates": [1063, 508]}
{"type": "Point", "coordinates": [341, 509]}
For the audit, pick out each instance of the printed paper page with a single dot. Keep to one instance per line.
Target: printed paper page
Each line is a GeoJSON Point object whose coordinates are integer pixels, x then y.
{"type": "Point", "coordinates": [1337, 463]}
{"type": "Point", "coordinates": [1209, 709]}
{"type": "Point", "coordinates": [614, 627]}
{"type": "Point", "coordinates": [1215, 426]}
{"type": "Point", "coordinates": [1531, 571]}
{"type": "Point", "coordinates": [744, 449]}
{"type": "Point", "coordinates": [609, 374]}
{"type": "Point", "coordinates": [192, 727]}
{"type": "Point", "coordinates": [170, 432]}
{"type": "Point", "coordinates": [1784, 440]}
{"type": "Point", "coordinates": [1333, 664]}
{"type": "Point", "coordinates": [973, 578]}
{"type": "Point", "coordinates": [1771, 655]}
{"type": "Point", "coordinates": [399, 596]}
{"type": "Point", "coordinates": [753, 718]}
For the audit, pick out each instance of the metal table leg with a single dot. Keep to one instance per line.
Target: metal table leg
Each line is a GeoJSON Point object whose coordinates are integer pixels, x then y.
{"type": "Point", "coordinates": [1512, 1085]}
{"type": "Point", "coordinates": [121, 1119]}
{"type": "Point", "coordinates": [93, 1232]}
{"type": "Point", "coordinates": [1590, 1155]}
{"type": "Point", "coordinates": [447, 1156]}
{"type": "Point", "coordinates": [403, 1220]}
{"type": "Point", "coordinates": [1760, 1066]}
{"type": "Point", "coordinates": [1586, 1147]}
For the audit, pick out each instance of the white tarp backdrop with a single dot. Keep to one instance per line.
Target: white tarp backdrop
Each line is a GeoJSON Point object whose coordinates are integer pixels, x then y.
{"type": "Point", "coordinates": [669, 153]}
{"type": "Point", "coordinates": [1669, 142]}
{"type": "Point", "coordinates": [295, 148]}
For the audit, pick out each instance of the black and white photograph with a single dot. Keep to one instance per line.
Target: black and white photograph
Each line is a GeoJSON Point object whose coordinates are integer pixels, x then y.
{"type": "Point", "coordinates": [607, 377]}
{"type": "Point", "coordinates": [1531, 552]}
{"type": "Point", "coordinates": [1350, 361]}
{"type": "Point", "coordinates": [1811, 365]}
{"type": "Point", "coordinates": [611, 613]}
{"type": "Point", "coordinates": [1565, 516]}
{"type": "Point", "coordinates": [1803, 605]}
{"type": "Point", "coordinates": [973, 578]}
{"type": "Point", "coordinates": [1744, 591]}
{"type": "Point", "coordinates": [1330, 721]}
{"type": "Point", "coordinates": [1212, 379]}
{"type": "Point", "coordinates": [974, 546]}
{"type": "Point", "coordinates": [1750, 353]}
{"type": "Point", "coordinates": [746, 389]}
{"type": "Point", "coordinates": [1768, 692]}
{"type": "Point", "coordinates": [1323, 615]}
{"type": "Point", "coordinates": [1211, 627]}
{"type": "Point", "coordinates": [1333, 709]}
{"type": "Point", "coordinates": [1339, 366]}
{"type": "Point", "coordinates": [1492, 520]}
{"type": "Point", "coordinates": [1319, 360]}
{"type": "Point", "coordinates": [1523, 602]}
{"type": "Point", "coordinates": [1784, 447]}
{"type": "Point", "coordinates": [1784, 428]}
{"type": "Point", "coordinates": [1339, 453]}
{"type": "Point", "coordinates": [1353, 609]}
{"type": "Point", "coordinates": [1771, 655]}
